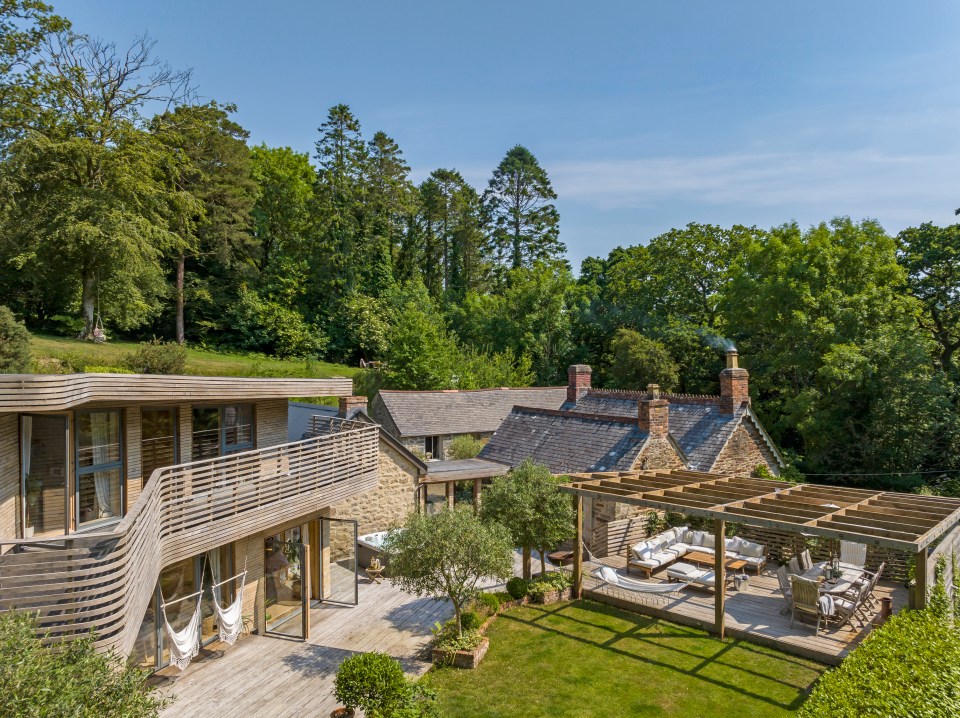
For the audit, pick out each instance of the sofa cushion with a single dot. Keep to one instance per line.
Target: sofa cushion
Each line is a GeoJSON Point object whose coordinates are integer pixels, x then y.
{"type": "Point", "coordinates": [662, 557]}
{"type": "Point", "coordinates": [709, 541]}
{"type": "Point", "coordinates": [668, 537]}
{"type": "Point", "coordinates": [705, 549]}
{"type": "Point", "coordinates": [650, 563]}
{"type": "Point", "coordinates": [732, 544]}
{"type": "Point", "coordinates": [697, 539]}
{"type": "Point", "coordinates": [688, 537]}
{"type": "Point", "coordinates": [752, 560]}
{"type": "Point", "coordinates": [752, 550]}
{"type": "Point", "coordinates": [680, 547]}
{"type": "Point", "coordinates": [685, 571]}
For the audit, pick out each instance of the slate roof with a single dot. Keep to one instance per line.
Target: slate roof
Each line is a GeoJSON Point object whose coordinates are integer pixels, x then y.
{"type": "Point", "coordinates": [566, 441]}
{"type": "Point", "coordinates": [697, 426]}
{"type": "Point", "coordinates": [431, 413]}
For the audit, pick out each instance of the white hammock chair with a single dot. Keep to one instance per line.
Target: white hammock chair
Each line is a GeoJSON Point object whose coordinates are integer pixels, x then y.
{"type": "Point", "coordinates": [230, 619]}
{"type": "Point", "coordinates": [184, 644]}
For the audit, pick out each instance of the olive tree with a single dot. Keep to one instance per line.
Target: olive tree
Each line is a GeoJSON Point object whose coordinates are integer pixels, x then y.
{"type": "Point", "coordinates": [527, 501]}
{"type": "Point", "coordinates": [447, 554]}
{"type": "Point", "coordinates": [73, 680]}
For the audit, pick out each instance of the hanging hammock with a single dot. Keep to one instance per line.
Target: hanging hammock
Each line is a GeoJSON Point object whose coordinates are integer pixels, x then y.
{"type": "Point", "coordinates": [230, 619]}
{"type": "Point", "coordinates": [184, 644]}
{"type": "Point", "coordinates": [99, 334]}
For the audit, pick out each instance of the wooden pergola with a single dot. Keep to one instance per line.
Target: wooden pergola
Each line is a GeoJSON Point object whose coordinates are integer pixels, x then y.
{"type": "Point", "coordinates": [905, 522]}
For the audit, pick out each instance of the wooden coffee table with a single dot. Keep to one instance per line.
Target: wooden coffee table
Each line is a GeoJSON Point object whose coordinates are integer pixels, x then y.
{"type": "Point", "coordinates": [700, 558]}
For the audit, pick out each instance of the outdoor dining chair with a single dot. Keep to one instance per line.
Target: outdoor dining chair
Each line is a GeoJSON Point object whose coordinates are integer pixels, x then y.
{"type": "Point", "coordinates": [853, 554]}
{"type": "Point", "coordinates": [784, 580]}
{"type": "Point", "coordinates": [806, 600]}
{"type": "Point", "coordinates": [793, 567]}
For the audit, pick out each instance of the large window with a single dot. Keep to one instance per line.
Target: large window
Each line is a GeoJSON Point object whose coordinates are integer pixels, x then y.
{"type": "Point", "coordinates": [431, 447]}
{"type": "Point", "coordinates": [43, 452]}
{"type": "Point", "coordinates": [99, 461]}
{"type": "Point", "coordinates": [158, 440]}
{"type": "Point", "coordinates": [221, 430]}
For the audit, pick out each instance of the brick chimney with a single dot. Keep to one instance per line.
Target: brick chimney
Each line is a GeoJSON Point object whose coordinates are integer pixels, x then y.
{"type": "Point", "coordinates": [734, 385]}
{"type": "Point", "coordinates": [349, 405]}
{"type": "Point", "coordinates": [578, 376]}
{"type": "Point", "coordinates": [653, 413]}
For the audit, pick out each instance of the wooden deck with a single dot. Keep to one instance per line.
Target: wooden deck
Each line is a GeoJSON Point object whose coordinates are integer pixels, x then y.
{"type": "Point", "coordinates": [753, 613]}
{"type": "Point", "coordinates": [272, 676]}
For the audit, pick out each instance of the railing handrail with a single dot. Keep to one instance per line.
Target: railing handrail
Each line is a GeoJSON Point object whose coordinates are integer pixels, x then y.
{"type": "Point", "coordinates": [148, 490]}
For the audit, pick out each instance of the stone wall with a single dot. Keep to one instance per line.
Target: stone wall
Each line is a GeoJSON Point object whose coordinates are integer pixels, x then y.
{"type": "Point", "coordinates": [389, 503]}
{"type": "Point", "coordinates": [658, 454]}
{"type": "Point", "coordinates": [744, 451]}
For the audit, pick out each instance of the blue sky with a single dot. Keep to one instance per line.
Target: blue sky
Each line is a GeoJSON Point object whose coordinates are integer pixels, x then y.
{"type": "Point", "coordinates": [647, 115]}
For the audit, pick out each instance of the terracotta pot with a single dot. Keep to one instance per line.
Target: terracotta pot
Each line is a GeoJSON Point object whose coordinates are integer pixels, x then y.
{"type": "Point", "coordinates": [343, 713]}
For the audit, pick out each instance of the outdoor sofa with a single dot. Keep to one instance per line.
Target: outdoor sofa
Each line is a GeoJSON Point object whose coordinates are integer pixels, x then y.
{"type": "Point", "coordinates": [665, 548]}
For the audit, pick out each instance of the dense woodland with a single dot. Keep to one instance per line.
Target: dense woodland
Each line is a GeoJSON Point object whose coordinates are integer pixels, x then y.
{"type": "Point", "coordinates": [123, 195]}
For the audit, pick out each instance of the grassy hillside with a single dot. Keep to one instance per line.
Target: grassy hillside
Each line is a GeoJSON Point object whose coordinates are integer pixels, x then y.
{"type": "Point", "coordinates": [79, 355]}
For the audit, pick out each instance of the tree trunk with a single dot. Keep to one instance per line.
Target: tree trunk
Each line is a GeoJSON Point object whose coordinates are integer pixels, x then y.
{"type": "Point", "coordinates": [181, 333]}
{"type": "Point", "coordinates": [543, 562]}
{"type": "Point", "coordinates": [456, 613]}
{"type": "Point", "coordinates": [526, 563]}
{"type": "Point", "coordinates": [88, 303]}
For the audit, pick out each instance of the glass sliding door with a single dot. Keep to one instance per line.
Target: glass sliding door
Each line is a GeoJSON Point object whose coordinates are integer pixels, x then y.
{"type": "Point", "coordinates": [221, 430]}
{"type": "Point", "coordinates": [158, 440]}
{"type": "Point", "coordinates": [287, 584]}
{"type": "Point", "coordinates": [338, 561]}
{"type": "Point", "coordinates": [99, 461]}
{"type": "Point", "coordinates": [237, 428]}
{"type": "Point", "coordinates": [206, 433]}
{"type": "Point", "coordinates": [43, 462]}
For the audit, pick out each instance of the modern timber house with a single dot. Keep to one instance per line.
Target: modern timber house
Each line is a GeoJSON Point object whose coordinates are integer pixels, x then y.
{"type": "Point", "coordinates": [122, 494]}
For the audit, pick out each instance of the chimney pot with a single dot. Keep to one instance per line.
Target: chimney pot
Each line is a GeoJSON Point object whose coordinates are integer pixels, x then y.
{"type": "Point", "coordinates": [578, 381]}
{"type": "Point", "coordinates": [733, 361]}
{"type": "Point", "coordinates": [653, 391]}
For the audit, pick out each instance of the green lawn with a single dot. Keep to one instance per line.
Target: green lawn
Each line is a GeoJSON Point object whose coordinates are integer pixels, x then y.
{"type": "Point", "coordinates": [587, 659]}
{"type": "Point", "coordinates": [204, 363]}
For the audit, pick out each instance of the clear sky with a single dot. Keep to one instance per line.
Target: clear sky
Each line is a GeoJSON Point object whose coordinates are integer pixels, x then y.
{"type": "Point", "coordinates": [647, 115]}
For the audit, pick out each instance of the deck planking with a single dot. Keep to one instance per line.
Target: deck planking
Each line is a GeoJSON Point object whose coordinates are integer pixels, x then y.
{"type": "Point", "coordinates": [753, 613]}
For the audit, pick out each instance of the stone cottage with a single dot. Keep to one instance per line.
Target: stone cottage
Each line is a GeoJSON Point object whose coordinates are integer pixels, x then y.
{"type": "Point", "coordinates": [426, 421]}
{"type": "Point", "coordinates": [604, 430]}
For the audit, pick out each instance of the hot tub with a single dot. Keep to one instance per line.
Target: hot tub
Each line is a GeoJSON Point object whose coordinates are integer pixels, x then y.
{"type": "Point", "coordinates": [370, 546]}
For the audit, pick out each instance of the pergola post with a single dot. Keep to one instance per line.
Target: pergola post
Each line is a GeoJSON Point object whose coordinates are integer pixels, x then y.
{"type": "Point", "coordinates": [719, 576]}
{"type": "Point", "coordinates": [918, 597]}
{"type": "Point", "coordinates": [578, 547]}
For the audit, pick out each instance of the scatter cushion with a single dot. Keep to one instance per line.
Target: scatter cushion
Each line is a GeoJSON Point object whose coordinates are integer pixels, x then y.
{"type": "Point", "coordinates": [753, 550]}
{"type": "Point", "coordinates": [697, 538]}
{"type": "Point", "coordinates": [732, 544]}
{"type": "Point", "coordinates": [688, 537]}
{"type": "Point", "coordinates": [667, 537]}
{"type": "Point", "coordinates": [641, 550]}
{"type": "Point", "coordinates": [709, 541]}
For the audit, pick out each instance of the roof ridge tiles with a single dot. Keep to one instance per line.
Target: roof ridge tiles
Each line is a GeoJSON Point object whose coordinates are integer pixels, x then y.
{"type": "Point", "coordinates": [577, 414]}
{"type": "Point", "coordinates": [466, 391]}
{"type": "Point", "coordinates": [637, 394]}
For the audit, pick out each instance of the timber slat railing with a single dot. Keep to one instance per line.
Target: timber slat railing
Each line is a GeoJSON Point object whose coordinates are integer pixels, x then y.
{"type": "Point", "coordinates": [104, 581]}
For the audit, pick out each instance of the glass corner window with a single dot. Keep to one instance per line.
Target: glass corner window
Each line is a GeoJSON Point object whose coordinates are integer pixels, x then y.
{"type": "Point", "coordinates": [99, 462]}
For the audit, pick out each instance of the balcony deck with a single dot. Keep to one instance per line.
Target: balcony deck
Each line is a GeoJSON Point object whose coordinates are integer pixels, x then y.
{"type": "Point", "coordinates": [753, 613]}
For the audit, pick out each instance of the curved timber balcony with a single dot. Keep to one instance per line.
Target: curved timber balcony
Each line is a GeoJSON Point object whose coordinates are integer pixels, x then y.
{"type": "Point", "coordinates": [104, 581]}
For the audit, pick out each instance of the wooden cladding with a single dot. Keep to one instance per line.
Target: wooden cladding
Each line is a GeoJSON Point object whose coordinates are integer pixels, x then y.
{"type": "Point", "coordinates": [59, 392]}
{"type": "Point", "coordinates": [104, 581]}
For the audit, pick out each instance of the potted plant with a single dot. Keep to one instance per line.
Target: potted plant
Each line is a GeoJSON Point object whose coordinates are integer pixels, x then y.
{"type": "Point", "coordinates": [372, 682]}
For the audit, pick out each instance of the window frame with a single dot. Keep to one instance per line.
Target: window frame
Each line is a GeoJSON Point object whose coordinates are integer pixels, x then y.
{"type": "Point", "coordinates": [79, 472]}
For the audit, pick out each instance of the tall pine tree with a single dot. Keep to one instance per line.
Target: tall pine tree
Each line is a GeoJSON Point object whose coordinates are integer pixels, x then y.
{"type": "Point", "coordinates": [523, 221]}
